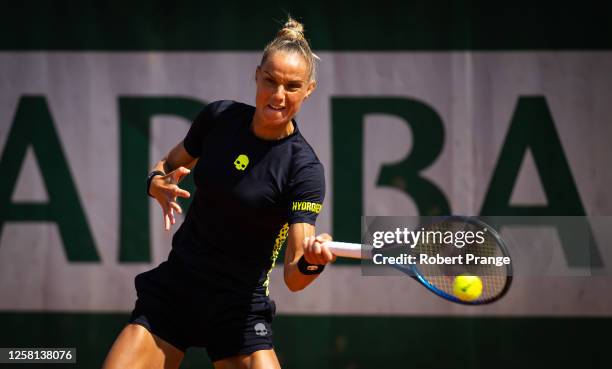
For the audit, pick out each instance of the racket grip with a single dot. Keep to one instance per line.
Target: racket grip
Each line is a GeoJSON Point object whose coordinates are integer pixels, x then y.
{"type": "Point", "coordinates": [348, 250]}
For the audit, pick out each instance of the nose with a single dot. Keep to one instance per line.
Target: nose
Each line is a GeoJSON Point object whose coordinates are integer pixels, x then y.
{"type": "Point", "coordinates": [279, 94]}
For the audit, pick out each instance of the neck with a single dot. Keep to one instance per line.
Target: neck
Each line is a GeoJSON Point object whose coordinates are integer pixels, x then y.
{"type": "Point", "coordinates": [269, 132]}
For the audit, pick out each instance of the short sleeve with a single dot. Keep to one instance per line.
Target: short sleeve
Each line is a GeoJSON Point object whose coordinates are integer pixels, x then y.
{"type": "Point", "coordinates": [201, 126]}
{"type": "Point", "coordinates": [307, 193]}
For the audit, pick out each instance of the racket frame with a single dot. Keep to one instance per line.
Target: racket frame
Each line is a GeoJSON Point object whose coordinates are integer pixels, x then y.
{"type": "Point", "coordinates": [414, 272]}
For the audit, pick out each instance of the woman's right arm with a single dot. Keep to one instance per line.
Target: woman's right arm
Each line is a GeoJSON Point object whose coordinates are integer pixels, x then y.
{"type": "Point", "coordinates": [176, 164]}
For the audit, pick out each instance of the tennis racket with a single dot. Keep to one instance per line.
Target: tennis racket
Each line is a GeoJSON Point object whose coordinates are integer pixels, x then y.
{"type": "Point", "coordinates": [440, 278]}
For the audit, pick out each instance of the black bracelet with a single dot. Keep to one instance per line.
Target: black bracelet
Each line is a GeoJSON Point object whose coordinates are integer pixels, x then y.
{"type": "Point", "coordinates": [309, 269]}
{"type": "Point", "coordinates": [150, 177]}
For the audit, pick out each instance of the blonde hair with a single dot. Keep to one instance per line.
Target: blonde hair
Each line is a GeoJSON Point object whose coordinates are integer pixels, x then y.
{"type": "Point", "coordinates": [291, 38]}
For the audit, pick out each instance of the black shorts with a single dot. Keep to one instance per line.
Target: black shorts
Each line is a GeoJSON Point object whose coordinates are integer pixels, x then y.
{"type": "Point", "coordinates": [175, 307]}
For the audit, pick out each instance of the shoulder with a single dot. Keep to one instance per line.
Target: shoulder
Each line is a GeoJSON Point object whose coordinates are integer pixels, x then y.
{"type": "Point", "coordinates": [209, 121]}
{"type": "Point", "coordinates": [223, 108]}
{"type": "Point", "coordinates": [307, 176]}
{"type": "Point", "coordinates": [303, 151]}
{"type": "Point", "coordinates": [304, 158]}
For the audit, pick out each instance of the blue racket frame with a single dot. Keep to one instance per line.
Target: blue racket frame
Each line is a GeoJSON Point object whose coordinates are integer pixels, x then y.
{"type": "Point", "coordinates": [413, 271]}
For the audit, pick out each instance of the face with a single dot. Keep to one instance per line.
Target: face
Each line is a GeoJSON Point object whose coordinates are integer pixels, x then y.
{"type": "Point", "coordinates": [282, 85]}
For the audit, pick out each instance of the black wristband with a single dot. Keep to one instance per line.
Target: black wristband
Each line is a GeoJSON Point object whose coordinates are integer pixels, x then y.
{"type": "Point", "coordinates": [150, 177]}
{"type": "Point", "coordinates": [309, 269]}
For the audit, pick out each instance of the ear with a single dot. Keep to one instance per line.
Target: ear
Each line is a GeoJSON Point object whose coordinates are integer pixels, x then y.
{"type": "Point", "coordinates": [312, 85]}
{"type": "Point", "coordinates": [257, 72]}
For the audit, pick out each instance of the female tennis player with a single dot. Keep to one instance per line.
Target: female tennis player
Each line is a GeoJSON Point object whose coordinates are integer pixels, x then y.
{"type": "Point", "coordinates": [258, 182]}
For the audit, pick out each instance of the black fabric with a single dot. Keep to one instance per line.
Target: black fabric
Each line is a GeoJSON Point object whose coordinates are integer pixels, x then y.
{"type": "Point", "coordinates": [212, 291]}
{"type": "Point", "coordinates": [239, 209]}
{"type": "Point", "coordinates": [185, 311]}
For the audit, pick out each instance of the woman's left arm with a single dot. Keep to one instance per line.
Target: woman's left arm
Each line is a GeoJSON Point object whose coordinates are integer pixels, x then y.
{"type": "Point", "coordinates": [301, 241]}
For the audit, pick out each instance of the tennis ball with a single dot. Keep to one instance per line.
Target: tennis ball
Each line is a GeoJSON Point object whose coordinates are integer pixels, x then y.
{"type": "Point", "coordinates": [467, 287]}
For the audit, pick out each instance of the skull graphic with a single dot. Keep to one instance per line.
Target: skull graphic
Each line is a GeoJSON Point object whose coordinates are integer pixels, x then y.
{"type": "Point", "coordinates": [241, 162]}
{"type": "Point", "coordinates": [260, 329]}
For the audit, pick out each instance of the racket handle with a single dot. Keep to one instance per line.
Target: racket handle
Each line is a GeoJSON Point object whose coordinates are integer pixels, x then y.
{"type": "Point", "coordinates": [348, 250]}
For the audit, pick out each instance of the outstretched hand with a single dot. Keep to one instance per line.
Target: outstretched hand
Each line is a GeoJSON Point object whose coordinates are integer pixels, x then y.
{"type": "Point", "coordinates": [165, 189]}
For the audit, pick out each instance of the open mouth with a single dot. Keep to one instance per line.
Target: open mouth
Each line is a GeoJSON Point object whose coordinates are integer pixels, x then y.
{"type": "Point", "coordinates": [276, 108]}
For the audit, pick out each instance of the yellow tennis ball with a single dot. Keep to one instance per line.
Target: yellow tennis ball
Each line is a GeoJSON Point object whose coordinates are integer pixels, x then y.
{"type": "Point", "coordinates": [467, 287]}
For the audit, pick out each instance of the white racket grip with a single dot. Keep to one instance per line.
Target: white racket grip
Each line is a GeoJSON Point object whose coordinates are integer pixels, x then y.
{"type": "Point", "coordinates": [349, 250]}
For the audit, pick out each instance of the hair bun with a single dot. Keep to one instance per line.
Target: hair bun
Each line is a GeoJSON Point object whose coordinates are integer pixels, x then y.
{"type": "Point", "coordinates": [292, 29]}
{"type": "Point", "coordinates": [291, 39]}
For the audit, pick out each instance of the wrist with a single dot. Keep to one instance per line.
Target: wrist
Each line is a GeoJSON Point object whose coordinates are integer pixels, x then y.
{"type": "Point", "coordinates": [150, 178]}
{"type": "Point", "coordinates": [309, 269]}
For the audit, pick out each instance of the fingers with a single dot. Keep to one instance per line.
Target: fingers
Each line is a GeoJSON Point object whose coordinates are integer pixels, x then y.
{"type": "Point", "coordinates": [166, 221]}
{"type": "Point", "coordinates": [169, 219]}
{"type": "Point", "coordinates": [168, 189]}
{"type": "Point", "coordinates": [169, 205]}
{"type": "Point", "coordinates": [167, 184]}
{"type": "Point", "coordinates": [308, 250]}
{"type": "Point", "coordinates": [324, 237]}
{"type": "Point", "coordinates": [327, 254]}
{"type": "Point", "coordinates": [321, 239]}
{"type": "Point", "coordinates": [183, 171]}
{"type": "Point", "coordinates": [179, 192]}
{"type": "Point", "coordinates": [315, 251]}
{"type": "Point", "coordinates": [178, 174]}
{"type": "Point", "coordinates": [171, 192]}
{"type": "Point", "coordinates": [166, 193]}
{"type": "Point", "coordinates": [176, 207]}
{"type": "Point", "coordinates": [172, 219]}
{"type": "Point", "coordinates": [168, 211]}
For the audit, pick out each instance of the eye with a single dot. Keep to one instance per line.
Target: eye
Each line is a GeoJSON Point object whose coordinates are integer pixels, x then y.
{"type": "Point", "coordinates": [293, 87]}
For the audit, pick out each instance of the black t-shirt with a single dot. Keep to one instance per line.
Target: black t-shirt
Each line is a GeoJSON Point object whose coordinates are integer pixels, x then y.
{"type": "Point", "coordinates": [248, 192]}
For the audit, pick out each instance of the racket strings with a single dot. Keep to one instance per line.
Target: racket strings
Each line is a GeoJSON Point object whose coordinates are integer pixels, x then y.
{"type": "Point", "coordinates": [442, 275]}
